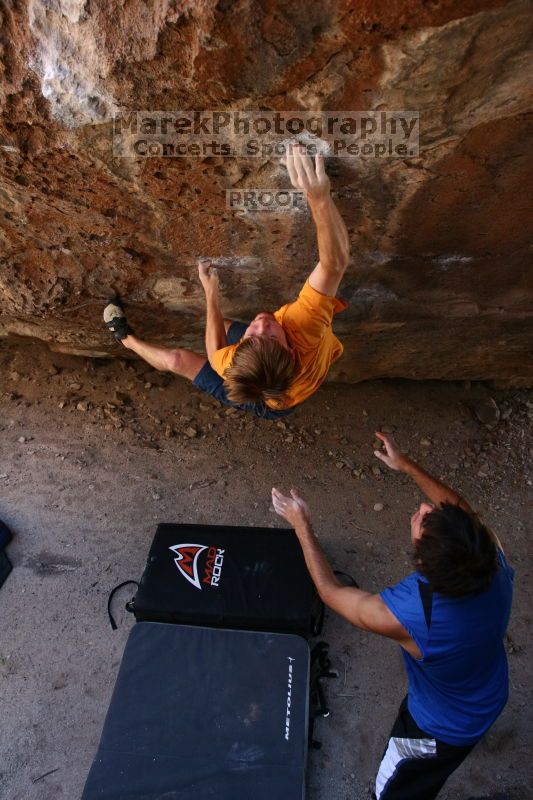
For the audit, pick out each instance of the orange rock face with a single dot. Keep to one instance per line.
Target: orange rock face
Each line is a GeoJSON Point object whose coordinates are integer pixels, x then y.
{"type": "Point", "coordinates": [439, 283]}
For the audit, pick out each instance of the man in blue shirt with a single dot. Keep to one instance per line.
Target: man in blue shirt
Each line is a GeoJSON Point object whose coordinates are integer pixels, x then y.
{"type": "Point", "coordinates": [449, 617]}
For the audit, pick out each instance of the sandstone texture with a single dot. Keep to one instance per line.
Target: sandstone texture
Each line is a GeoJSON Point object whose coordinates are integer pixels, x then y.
{"type": "Point", "coordinates": [439, 283]}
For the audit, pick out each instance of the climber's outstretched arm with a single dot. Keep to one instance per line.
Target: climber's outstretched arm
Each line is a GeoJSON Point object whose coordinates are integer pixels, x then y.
{"type": "Point", "coordinates": [215, 329]}
{"type": "Point", "coordinates": [333, 247]}
{"type": "Point", "coordinates": [332, 236]}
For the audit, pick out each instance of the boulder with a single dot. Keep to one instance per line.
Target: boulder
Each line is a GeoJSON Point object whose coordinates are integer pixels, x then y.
{"type": "Point", "coordinates": [439, 280]}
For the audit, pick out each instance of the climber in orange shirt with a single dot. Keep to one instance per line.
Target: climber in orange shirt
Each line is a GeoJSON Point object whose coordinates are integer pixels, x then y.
{"type": "Point", "coordinates": [272, 365]}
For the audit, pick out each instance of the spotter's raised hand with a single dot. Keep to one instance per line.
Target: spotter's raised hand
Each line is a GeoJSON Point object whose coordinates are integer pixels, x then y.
{"type": "Point", "coordinates": [294, 509]}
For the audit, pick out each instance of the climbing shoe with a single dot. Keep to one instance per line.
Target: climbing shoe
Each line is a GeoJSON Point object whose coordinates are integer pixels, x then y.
{"type": "Point", "coordinates": [115, 319]}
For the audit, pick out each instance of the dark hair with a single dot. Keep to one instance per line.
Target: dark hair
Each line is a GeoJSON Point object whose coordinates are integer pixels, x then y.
{"type": "Point", "coordinates": [262, 369]}
{"type": "Point", "coordinates": [456, 552]}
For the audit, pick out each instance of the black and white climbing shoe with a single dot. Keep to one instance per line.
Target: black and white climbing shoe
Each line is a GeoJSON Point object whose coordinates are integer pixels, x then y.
{"type": "Point", "coordinates": [115, 319]}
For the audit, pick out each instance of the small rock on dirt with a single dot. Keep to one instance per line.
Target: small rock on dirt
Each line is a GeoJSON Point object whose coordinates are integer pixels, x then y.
{"type": "Point", "coordinates": [122, 397]}
{"type": "Point", "coordinates": [487, 412]}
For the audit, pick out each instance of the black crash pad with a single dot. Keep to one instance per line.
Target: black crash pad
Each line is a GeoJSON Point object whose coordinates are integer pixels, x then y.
{"type": "Point", "coordinates": [205, 714]}
{"type": "Point", "coordinates": [230, 577]}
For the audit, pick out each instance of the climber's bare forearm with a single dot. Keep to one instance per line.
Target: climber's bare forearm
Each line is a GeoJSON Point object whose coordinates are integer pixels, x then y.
{"type": "Point", "coordinates": [333, 246]}
{"type": "Point", "coordinates": [215, 331]}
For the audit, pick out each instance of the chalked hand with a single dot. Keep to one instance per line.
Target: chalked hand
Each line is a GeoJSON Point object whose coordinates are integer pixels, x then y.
{"type": "Point", "coordinates": [309, 178]}
{"type": "Point", "coordinates": [208, 275]}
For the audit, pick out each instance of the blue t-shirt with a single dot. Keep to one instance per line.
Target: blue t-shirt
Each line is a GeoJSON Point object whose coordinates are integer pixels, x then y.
{"type": "Point", "coordinates": [460, 685]}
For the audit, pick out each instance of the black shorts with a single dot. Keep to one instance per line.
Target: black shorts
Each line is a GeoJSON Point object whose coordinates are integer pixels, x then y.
{"type": "Point", "coordinates": [210, 381]}
{"type": "Point", "coordinates": [415, 765]}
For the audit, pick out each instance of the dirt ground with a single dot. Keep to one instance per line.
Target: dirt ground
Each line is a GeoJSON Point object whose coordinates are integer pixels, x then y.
{"type": "Point", "coordinates": [96, 453]}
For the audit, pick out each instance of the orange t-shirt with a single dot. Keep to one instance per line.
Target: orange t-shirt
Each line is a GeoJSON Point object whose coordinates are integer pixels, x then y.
{"type": "Point", "coordinates": [307, 324]}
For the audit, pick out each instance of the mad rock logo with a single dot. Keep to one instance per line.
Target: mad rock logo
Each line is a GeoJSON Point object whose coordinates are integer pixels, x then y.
{"type": "Point", "coordinates": [187, 561]}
